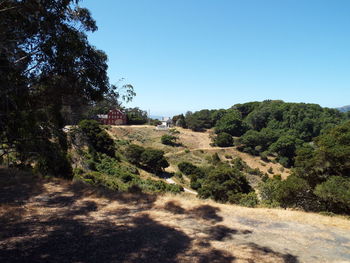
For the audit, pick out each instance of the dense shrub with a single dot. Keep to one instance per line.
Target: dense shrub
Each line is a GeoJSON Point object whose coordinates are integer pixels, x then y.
{"type": "Point", "coordinates": [223, 182]}
{"type": "Point", "coordinates": [98, 139]}
{"type": "Point", "coordinates": [231, 123]}
{"type": "Point", "coordinates": [249, 200]}
{"type": "Point", "coordinates": [335, 192]}
{"type": "Point", "coordinates": [187, 168]}
{"type": "Point", "coordinates": [136, 116]}
{"type": "Point", "coordinates": [168, 139]}
{"type": "Point", "coordinates": [133, 153]}
{"type": "Point", "coordinates": [117, 176]}
{"type": "Point", "coordinates": [55, 162]}
{"type": "Point", "coordinates": [292, 192]}
{"type": "Point", "coordinates": [154, 160]}
{"type": "Point", "coordinates": [223, 140]}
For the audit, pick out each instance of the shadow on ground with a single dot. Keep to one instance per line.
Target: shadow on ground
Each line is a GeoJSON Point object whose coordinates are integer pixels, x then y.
{"type": "Point", "coordinates": [58, 224]}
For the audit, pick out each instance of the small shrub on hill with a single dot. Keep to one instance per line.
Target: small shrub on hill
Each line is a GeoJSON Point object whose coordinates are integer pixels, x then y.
{"type": "Point", "coordinates": [168, 139]}
{"type": "Point", "coordinates": [133, 153]}
{"type": "Point", "coordinates": [154, 160]}
{"type": "Point", "coordinates": [223, 140]}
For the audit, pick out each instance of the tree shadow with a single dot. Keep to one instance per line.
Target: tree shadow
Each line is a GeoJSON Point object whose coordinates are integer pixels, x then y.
{"type": "Point", "coordinates": [174, 208]}
{"type": "Point", "coordinates": [221, 232]}
{"type": "Point", "coordinates": [261, 250]}
{"type": "Point", "coordinates": [71, 223]}
{"type": "Point", "coordinates": [206, 212]}
{"type": "Point", "coordinates": [17, 187]}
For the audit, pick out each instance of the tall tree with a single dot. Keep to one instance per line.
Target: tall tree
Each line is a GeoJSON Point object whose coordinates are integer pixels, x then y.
{"type": "Point", "coordinates": [46, 61]}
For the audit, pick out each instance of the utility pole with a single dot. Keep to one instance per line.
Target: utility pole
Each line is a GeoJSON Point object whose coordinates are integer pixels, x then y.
{"type": "Point", "coordinates": [149, 117]}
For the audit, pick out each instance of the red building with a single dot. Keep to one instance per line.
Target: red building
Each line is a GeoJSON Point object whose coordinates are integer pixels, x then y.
{"type": "Point", "coordinates": [114, 117]}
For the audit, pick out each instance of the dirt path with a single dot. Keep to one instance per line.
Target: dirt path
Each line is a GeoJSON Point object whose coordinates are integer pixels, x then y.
{"type": "Point", "coordinates": [57, 221]}
{"type": "Point", "coordinates": [171, 181]}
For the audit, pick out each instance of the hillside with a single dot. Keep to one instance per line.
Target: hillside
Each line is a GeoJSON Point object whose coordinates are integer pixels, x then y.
{"type": "Point", "coordinates": [194, 147]}
{"type": "Point", "coordinates": [55, 220]}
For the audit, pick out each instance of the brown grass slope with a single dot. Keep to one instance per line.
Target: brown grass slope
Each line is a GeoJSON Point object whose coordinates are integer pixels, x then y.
{"type": "Point", "coordinates": [195, 146]}
{"type": "Point", "coordinates": [44, 220]}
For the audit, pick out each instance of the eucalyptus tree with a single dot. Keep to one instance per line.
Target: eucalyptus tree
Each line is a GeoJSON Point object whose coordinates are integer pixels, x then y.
{"type": "Point", "coordinates": [46, 61]}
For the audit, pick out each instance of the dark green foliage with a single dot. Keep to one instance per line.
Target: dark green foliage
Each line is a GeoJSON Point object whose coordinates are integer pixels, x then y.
{"type": "Point", "coordinates": [160, 187]}
{"type": "Point", "coordinates": [231, 123]}
{"type": "Point", "coordinates": [195, 173]}
{"type": "Point", "coordinates": [168, 139]}
{"type": "Point", "coordinates": [136, 116]}
{"type": "Point", "coordinates": [215, 159]}
{"type": "Point", "coordinates": [255, 142]}
{"type": "Point", "coordinates": [179, 120]}
{"type": "Point", "coordinates": [46, 63]}
{"type": "Point", "coordinates": [292, 192]}
{"type": "Point", "coordinates": [204, 119]}
{"type": "Point", "coordinates": [249, 200]}
{"type": "Point", "coordinates": [285, 147]}
{"type": "Point", "coordinates": [55, 162]}
{"type": "Point", "coordinates": [246, 108]}
{"type": "Point", "coordinates": [116, 176]}
{"type": "Point", "coordinates": [199, 120]}
{"type": "Point", "coordinates": [133, 153]}
{"type": "Point", "coordinates": [333, 151]}
{"type": "Point", "coordinates": [330, 156]}
{"type": "Point", "coordinates": [155, 122]}
{"type": "Point", "coordinates": [151, 159]}
{"type": "Point", "coordinates": [223, 183]}
{"type": "Point", "coordinates": [99, 140]}
{"type": "Point", "coordinates": [188, 168]}
{"type": "Point", "coordinates": [223, 140]}
{"type": "Point", "coordinates": [335, 192]}
{"type": "Point", "coordinates": [154, 160]}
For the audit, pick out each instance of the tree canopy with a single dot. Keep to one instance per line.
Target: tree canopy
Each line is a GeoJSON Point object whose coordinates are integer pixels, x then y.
{"type": "Point", "coordinates": [46, 63]}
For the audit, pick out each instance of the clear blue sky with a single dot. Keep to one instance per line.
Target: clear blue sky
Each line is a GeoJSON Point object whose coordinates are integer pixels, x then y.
{"type": "Point", "coordinates": [194, 54]}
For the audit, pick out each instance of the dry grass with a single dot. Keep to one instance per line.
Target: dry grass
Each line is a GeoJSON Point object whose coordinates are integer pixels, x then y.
{"type": "Point", "coordinates": [59, 221]}
{"type": "Point", "coordinates": [197, 143]}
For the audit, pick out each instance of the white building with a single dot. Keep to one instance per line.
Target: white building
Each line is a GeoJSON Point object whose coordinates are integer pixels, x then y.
{"type": "Point", "coordinates": [166, 124]}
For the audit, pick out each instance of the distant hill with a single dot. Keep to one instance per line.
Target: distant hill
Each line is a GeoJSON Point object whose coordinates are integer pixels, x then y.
{"type": "Point", "coordinates": [344, 108]}
{"type": "Point", "coordinates": [156, 117]}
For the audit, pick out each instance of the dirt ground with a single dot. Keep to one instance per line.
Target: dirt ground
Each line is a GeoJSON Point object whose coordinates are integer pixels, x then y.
{"type": "Point", "coordinates": [60, 221]}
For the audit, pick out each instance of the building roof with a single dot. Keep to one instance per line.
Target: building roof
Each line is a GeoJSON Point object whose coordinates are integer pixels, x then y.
{"type": "Point", "coordinates": [102, 116]}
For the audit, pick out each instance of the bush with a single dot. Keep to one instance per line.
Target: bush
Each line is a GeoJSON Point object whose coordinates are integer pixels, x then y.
{"type": "Point", "coordinates": [231, 123]}
{"type": "Point", "coordinates": [133, 153]}
{"type": "Point", "coordinates": [187, 168]}
{"type": "Point", "coordinates": [238, 164]}
{"type": "Point", "coordinates": [249, 200]}
{"type": "Point", "coordinates": [98, 139]}
{"type": "Point", "coordinates": [223, 140]}
{"type": "Point", "coordinates": [292, 192]}
{"type": "Point", "coordinates": [223, 182]}
{"type": "Point", "coordinates": [215, 159]}
{"type": "Point", "coordinates": [55, 162]}
{"type": "Point", "coordinates": [168, 139]}
{"type": "Point", "coordinates": [264, 156]}
{"type": "Point", "coordinates": [154, 160]}
{"type": "Point", "coordinates": [336, 193]}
